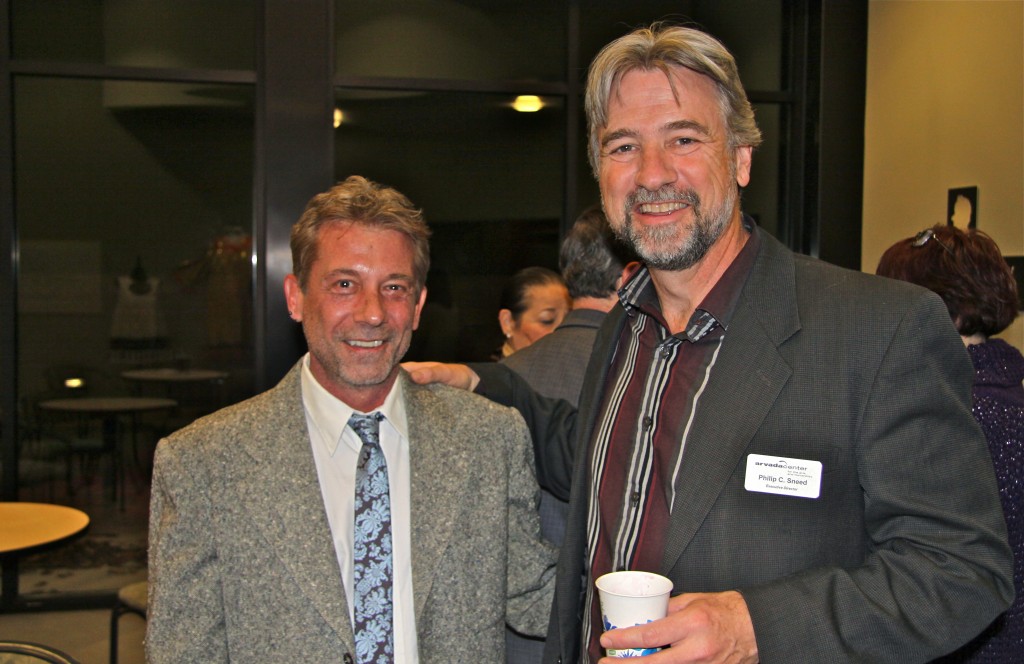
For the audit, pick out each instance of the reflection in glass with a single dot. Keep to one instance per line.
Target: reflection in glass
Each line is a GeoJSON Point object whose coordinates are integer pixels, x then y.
{"type": "Point", "coordinates": [490, 182]}
{"type": "Point", "coordinates": [155, 33]}
{"type": "Point", "coordinates": [134, 208]}
{"type": "Point", "coordinates": [451, 39]}
{"type": "Point", "coordinates": [751, 29]}
{"type": "Point", "coordinates": [767, 170]}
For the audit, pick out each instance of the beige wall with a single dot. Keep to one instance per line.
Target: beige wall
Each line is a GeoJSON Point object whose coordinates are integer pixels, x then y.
{"type": "Point", "coordinates": [945, 108]}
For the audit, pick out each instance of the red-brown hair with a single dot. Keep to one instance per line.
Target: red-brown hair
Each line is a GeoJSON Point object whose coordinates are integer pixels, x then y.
{"type": "Point", "coordinates": [965, 268]}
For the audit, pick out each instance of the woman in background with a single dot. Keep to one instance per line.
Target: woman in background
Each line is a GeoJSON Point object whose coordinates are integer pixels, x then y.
{"type": "Point", "coordinates": [968, 272]}
{"type": "Point", "coordinates": [533, 303]}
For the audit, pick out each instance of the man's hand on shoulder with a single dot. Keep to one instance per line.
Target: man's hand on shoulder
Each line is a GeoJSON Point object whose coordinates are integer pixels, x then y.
{"type": "Point", "coordinates": [453, 375]}
{"type": "Point", "coordinates": [700, 627]}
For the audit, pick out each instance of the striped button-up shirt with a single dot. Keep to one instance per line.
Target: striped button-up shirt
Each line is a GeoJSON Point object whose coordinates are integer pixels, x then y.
{"type": "Point", "coordinates": [653, 390]}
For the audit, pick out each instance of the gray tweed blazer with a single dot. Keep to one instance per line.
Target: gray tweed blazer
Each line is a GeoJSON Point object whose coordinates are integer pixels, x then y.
{"type": "Point", "coordinates": [242, 566]}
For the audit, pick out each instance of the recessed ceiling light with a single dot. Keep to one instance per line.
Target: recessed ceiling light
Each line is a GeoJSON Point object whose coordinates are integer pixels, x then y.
{"type": "Point", "coordinates": [528, 103]}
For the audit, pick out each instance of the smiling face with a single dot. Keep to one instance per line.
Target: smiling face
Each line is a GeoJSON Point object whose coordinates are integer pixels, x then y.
{"type": "Point", "coordinates": [358, 311]}
{"type": "Point", "coordinates": [667, 174]}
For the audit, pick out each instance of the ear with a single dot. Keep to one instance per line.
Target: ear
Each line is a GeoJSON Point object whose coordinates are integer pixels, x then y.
{"type": "Point", "coordinates": [744, 155]}
{"type": "Point", "coordinates": [293, 296]}
{"type": "Point", "coordinates": [419, 308]}
{"type": "Point", "coordinates": [506, 322]}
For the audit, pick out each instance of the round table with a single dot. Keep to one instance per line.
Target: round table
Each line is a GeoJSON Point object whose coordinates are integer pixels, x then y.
{"type": "Point", "coordinates": [172, 375]}
{"type": "Point", "coordinates": [27, 526]}
{"type": "Point", "coordinates": [198, 391]}
{"type": "Point", "coordinates": [109, 409]}
{"type": "Point", "coordinates": [108, 405]}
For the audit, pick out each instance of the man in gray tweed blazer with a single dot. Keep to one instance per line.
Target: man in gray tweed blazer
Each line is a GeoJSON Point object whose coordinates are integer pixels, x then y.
{"type": "Point", "coordinates": [251, 516]}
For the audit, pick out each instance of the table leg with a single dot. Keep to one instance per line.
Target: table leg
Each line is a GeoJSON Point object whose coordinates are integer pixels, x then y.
{"type": "Point", "coordinates": [9, 592]}
{"type": "Point", "coordinates": [111, 442]}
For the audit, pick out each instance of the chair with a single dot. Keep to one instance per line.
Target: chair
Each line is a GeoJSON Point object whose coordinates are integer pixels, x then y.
{"type": "Point", "coordinates": [132, 598]}
{"type": "Point", "coordinates": [56, 438]}
{"type": "Point", "coordinates": [24, 652]}
{"type": "Point", "coordinates": [42, 459]}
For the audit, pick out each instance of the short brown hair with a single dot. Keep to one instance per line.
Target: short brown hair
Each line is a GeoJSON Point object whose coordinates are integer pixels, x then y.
{"type": "Point", "coordinates": [965, 268]}
{"type": "Point", "coordinates": [360, 201]}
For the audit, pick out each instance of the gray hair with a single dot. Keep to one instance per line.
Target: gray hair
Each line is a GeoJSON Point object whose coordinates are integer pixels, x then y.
{"type": "Point", "coordinates": [591, 258]}
{"type": "Point", "coordinates": [664, 47]}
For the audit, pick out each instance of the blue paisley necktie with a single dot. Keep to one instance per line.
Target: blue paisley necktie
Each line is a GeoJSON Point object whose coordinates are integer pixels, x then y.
{"type": "Point", "coordinates": [372, 547]}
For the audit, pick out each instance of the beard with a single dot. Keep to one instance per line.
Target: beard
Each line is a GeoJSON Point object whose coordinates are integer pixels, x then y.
{"type": "Point", "coordinates": [675, 247]}
{"type": "Point", "coordinates": [346, 368]}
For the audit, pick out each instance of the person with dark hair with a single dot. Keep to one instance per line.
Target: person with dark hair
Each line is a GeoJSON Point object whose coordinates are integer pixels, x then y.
{"type": "Point", "coordinates": [780, 437]}
{"type": "Point", "coordinates": [969, 273]}
{"type": "Point", "coordinates": [533, 303]}
{"type": "Point", "coordinates": [347, 514]}
{"type": "Point", "coordinates": [594, 265]}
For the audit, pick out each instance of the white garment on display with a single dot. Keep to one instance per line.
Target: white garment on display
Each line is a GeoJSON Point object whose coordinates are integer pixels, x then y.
{"type": "Point", "coordinates": [136, 313]}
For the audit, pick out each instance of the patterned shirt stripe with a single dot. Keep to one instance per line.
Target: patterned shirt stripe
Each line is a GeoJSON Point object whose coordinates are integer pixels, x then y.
{"type": "Point", "coordinates": [653, 389]}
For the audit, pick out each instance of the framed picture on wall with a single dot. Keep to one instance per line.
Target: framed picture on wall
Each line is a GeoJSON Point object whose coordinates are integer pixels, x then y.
{"type": "Point", "coordinates": [962, 207]}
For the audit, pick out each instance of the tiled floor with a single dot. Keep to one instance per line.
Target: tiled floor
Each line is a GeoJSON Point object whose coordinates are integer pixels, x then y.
{"type": "Point", "coordinates": [85, 635]}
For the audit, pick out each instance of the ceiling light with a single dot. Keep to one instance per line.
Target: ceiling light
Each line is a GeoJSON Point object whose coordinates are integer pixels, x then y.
{"type": "Point", "coordinates": [339, 117]}
{"type": "Point", "coordinates": [528, 103]}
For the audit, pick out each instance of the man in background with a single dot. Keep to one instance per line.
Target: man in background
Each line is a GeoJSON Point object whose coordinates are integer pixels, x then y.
{"type": "Point", "coordinates": [594, 265]}
{"type": "Point", "coordinates": [348, 515]}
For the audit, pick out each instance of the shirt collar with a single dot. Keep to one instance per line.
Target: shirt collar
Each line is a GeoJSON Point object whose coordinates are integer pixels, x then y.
{"type": "Point", "coordinates": [638, 295]}
{"type": "Point", "coordinates": [330, 414]}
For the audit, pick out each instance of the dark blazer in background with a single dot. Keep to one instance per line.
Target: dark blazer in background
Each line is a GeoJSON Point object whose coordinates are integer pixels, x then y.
{"type": "Point", "coordinates": [242, 563]}
{"type": "Point", "coordinates": [902, 557]}
{"type": "Point", "coordinates": [553, 365]}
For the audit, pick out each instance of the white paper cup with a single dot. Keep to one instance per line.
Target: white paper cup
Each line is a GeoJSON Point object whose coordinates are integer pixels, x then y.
{"type": "Point", "coordinates": [632, 598]}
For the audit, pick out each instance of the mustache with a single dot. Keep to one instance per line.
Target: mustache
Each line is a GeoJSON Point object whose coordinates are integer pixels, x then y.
{"type": "Point", "coordinates": [640, 195]}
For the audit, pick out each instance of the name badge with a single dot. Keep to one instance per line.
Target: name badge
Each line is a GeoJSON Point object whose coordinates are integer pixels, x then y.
{"type": "Point", "coordinates": [799, 478]}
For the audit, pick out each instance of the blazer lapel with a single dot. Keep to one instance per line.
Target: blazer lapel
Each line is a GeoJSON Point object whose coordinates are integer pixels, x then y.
{"type": "Point", "coordinates": [749, 371]}
{"type": "Point", "coordinates": [278, 485]}
{"type": "Point", "coordinates": [437, 484]}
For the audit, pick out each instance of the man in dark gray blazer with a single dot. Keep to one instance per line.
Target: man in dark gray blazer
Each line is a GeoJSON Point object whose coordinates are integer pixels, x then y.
{"type": "Point", "coordinates": [594, 265]}
{"type": "Point", "coordinates": [252, 553]}
{"type": "Point", "coordinates": [791, 443]}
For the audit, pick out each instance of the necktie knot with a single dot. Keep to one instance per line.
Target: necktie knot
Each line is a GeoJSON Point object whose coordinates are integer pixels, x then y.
{"type": "Point", "coordinates": [367, 427]}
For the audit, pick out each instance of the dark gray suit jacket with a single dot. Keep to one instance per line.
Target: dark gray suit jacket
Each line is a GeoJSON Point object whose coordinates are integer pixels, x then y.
{"type": "Point", "coordinates": [243, 568]}
{"type": "Point", "coordinates": [902, 557]}
{"type": "Point", "coordinates": [554, 365]}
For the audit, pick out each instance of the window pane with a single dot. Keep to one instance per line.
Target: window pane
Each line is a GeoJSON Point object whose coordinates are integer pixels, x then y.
{"type": "Point", "coordinates": [153, 33]}
{"type": "Point", "coordinates": [134, 213]}
{"type": "Point", "coordinates": [761, 198]}
{"type": "Point", "coordinates": [750, 29]}
{"type": "Point", "coordinates": [453, 39]}
{"type": "Point", "coordinates": [490, 182]}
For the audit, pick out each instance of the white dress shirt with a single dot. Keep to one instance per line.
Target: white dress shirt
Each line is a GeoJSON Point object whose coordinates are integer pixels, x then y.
{"type": "Point", "coordinates": [336, 451]}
